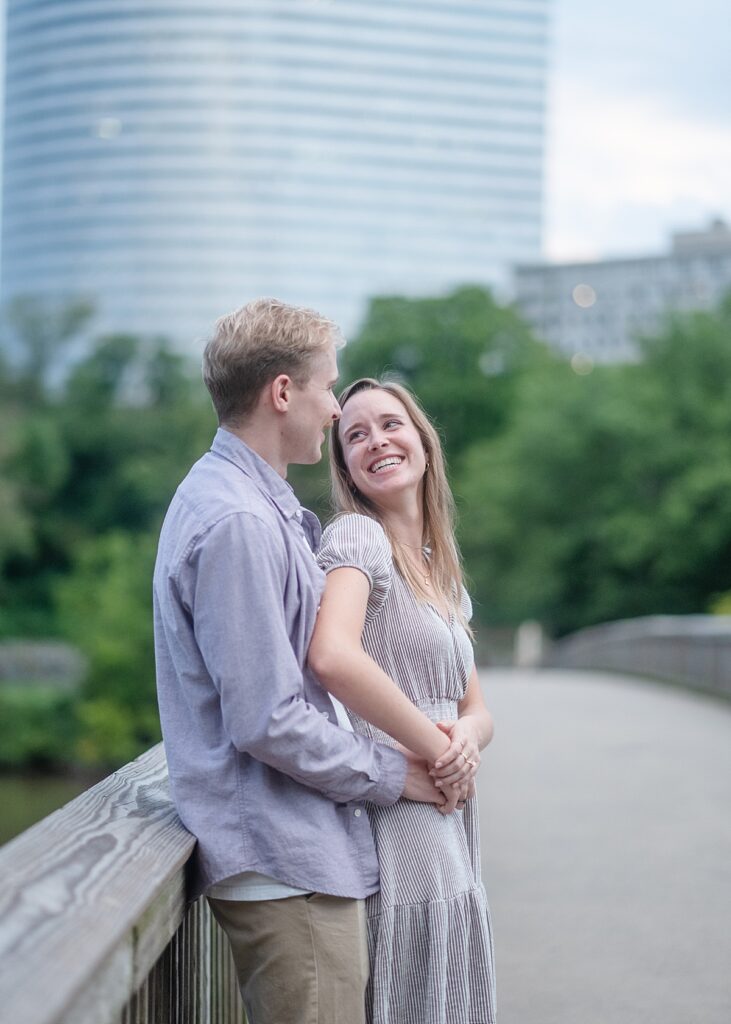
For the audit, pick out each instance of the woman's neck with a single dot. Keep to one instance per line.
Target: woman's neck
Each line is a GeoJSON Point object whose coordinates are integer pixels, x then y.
{"type": "Point", "coordinates": [405, 524]}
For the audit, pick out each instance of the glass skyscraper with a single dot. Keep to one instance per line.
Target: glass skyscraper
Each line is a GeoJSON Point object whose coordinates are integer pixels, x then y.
{"type": "Point", "coordinates": [172, 159]}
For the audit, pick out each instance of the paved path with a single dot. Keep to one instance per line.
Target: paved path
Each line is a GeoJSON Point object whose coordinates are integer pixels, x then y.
{"type": "Point", "coordinates": [606, 845]}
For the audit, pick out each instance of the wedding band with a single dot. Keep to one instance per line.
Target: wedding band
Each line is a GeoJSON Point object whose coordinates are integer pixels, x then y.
{"type": "Point", "coordinates": [467, 761]}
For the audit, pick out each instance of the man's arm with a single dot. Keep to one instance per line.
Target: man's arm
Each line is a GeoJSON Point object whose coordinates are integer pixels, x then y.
{"type": "Point", "coordinates": [234, 584]}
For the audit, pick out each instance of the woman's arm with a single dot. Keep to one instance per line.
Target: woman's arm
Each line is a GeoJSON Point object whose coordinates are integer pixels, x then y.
{"type": "Point", "coordinates": [473, 730]}
{"type": "Point", "coordinates": [338, 660]}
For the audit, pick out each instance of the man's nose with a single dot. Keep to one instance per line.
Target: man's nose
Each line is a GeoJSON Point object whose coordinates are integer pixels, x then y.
{"type": "Point", "coordinates": [337, 411]}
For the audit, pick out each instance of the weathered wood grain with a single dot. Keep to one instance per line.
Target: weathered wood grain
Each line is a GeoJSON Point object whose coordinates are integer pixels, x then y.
{"type": "Point", "coordinates": [89, 898]}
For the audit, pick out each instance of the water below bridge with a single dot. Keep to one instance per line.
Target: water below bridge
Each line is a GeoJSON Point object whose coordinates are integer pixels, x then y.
{"type": "Point", "coordinates": [605, 808]}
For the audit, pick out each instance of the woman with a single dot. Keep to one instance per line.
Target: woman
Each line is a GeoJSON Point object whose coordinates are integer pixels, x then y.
{"type": "Point", "coordinates": [392, 643]}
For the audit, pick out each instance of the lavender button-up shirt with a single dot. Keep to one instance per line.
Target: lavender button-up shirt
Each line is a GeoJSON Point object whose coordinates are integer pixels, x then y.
{"type": "Point", "coordinates": [259, 771]}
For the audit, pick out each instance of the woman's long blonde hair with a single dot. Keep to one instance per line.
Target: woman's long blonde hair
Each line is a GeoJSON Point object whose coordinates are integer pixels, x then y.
{"type": "Point", "coordinates": [438, 504]}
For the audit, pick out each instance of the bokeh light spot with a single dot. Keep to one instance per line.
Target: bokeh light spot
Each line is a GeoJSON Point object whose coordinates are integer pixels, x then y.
{"type": "Point", "coordinates": [583, 295]}
{"type": "Point", "coordinates": [581, 363]}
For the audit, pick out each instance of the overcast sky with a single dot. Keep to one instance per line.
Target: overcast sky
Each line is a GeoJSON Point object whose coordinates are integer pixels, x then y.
{"type": "Point", "coordinates": [639, 131]}
{"type": "Point", "coordinates": [639, 128]}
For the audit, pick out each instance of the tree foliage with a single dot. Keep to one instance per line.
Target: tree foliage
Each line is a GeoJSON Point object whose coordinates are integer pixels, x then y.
{"type": "Point", "coordinates": [88, 464]}
{"type": "Point", "coordinates": [463, 355]}
{"type": "Point", "coordinates": [609, 495]}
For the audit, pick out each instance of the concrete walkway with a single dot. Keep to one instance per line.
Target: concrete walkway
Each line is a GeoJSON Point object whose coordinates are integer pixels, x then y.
{"type": "Point", "coordinates": [606, 846]}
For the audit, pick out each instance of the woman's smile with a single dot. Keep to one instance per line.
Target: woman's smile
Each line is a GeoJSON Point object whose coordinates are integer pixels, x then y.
{"type": "Point", "coordinates": [383, 464]}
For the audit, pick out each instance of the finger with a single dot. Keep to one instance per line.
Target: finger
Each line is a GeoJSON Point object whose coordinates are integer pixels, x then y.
{"type": "Point", "coordinates": [438, 798]}
{"type": "Point", "coordinates": [450, 755]}
{"type": "Point", "coordinates": [464, 793]}
{"type": "Point", "coordinates": [452, 795]}
{"type": "Point", "coordinates": [461, 768]}
{"type": "Point", "coordinates": [457, 776]}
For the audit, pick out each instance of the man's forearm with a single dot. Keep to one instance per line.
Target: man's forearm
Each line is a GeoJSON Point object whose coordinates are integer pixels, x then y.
{"type": "Point", "coordinates": [297, 740]}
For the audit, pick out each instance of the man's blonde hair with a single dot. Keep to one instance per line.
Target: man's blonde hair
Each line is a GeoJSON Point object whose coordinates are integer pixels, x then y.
{"type": "Point", "coordinates": [253, 345]}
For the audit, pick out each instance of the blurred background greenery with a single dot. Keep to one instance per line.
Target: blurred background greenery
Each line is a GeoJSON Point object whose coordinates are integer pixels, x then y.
{"type": "Point", "coordinates": [582, 496]}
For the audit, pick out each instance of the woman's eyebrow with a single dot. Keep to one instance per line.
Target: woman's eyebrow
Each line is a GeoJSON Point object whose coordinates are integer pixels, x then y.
{"type": "Point", "coordinates": [380, 416]}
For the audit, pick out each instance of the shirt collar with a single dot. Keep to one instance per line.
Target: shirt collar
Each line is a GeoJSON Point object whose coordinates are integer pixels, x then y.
{"type": "Point", "coordinates": [228, 446]}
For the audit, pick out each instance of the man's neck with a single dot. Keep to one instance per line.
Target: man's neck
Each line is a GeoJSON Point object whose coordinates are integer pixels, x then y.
{"type": "Point", "coordinates": [263, 440]}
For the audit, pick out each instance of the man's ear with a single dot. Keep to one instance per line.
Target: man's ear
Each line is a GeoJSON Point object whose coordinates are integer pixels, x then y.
{"type": "Point", "coordinates": [280, 391]}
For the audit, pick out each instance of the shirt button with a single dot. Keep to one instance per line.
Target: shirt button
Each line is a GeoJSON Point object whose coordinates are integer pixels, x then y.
{"type": "Point", "coordinates": [357, 812]}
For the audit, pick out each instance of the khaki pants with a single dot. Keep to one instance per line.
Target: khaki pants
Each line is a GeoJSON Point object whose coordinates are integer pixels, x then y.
{"type": "Point", "coordinates": [301, 960]}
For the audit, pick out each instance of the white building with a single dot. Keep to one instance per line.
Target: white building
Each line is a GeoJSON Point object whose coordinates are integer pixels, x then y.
{"type": "Point", "coordinates": [599, 309]}
{"type": "Point", "coordinates": [172, 160]}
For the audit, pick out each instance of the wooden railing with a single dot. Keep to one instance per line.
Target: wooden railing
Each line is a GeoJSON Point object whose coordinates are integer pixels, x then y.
{"type": "Point", "coordinates": [94, 926]}
{"type": "Point", "coordinates": [693, 650]}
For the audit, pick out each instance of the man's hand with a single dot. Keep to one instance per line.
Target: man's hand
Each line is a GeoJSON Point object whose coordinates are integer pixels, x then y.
{"type": "Point", "coordinates": [419, 784]}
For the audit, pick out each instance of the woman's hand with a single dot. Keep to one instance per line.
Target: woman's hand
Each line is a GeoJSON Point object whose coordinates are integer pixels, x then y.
{"type": "Point", "coordinates": [461, 761]}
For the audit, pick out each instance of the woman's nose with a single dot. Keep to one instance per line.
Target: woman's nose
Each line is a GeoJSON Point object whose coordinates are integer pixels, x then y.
{"type": "Point", "coordinates": [377, 441]}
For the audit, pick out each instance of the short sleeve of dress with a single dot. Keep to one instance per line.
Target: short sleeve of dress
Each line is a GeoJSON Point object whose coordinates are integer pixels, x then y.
{"type": "Point", "coordinates": [359, 542]}
{"type": "Point", "coordinates": [465, 604]}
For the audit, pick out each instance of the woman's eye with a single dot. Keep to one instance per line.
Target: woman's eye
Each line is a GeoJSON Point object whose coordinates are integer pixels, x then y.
{"type": "Point", "coordinates": [393, 423]}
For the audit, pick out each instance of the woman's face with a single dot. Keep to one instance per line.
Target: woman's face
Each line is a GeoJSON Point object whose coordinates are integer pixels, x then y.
{"type": "Point", "coordinates": [382, 448]}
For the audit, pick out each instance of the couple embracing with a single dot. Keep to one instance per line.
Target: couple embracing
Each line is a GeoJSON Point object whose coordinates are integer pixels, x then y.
{"type": "Point", "coordinates": [321, 712]}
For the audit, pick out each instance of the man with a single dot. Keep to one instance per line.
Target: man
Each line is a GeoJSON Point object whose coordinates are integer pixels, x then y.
{"type": "Point", "coordinates": [260, 770]}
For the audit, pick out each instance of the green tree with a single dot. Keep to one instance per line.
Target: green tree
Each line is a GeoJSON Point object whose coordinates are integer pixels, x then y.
{"type": "Point", "coordinates": [38, 334]}
{"type": "Point", "coordinates": [610, 494]}
{"type": "Point", "coordinates": [105, 608]}
{"type": "Point", "coordinates": [103, 453]}
{"type": "Point", "coordinates": [463, 355]}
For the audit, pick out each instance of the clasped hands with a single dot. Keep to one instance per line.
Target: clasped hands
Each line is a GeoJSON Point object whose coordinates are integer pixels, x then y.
{"type": "Point", "coordinates": [449, 782]}
{"type": "Point", "coordinates": [454, 773]}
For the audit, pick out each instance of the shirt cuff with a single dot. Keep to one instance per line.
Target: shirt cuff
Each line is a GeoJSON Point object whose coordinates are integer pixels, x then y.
{"type": "Point", "coordinates": [392, 777]}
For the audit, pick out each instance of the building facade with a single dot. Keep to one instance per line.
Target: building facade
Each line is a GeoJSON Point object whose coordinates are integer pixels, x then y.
{"type": "Point", "coordinates": [172, 160]}
{"type": "Point", "coordinates": [598, 310]}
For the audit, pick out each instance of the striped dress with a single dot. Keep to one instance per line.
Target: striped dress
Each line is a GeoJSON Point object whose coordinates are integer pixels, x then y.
{"type": "Point", "coordinates": [429, 932]}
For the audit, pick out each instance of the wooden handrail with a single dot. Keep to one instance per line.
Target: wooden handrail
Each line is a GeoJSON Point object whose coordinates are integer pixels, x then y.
{"type": "Point", "coordinates": [91, 897]}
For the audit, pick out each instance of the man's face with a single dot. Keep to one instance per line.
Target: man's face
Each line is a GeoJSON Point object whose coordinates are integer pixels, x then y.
{"type": "Point", "coordinates": [313, 409]}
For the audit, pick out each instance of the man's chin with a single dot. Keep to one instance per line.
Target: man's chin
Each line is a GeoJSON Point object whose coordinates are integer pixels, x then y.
{"type": "Point", "coordinates": [309, 460]}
